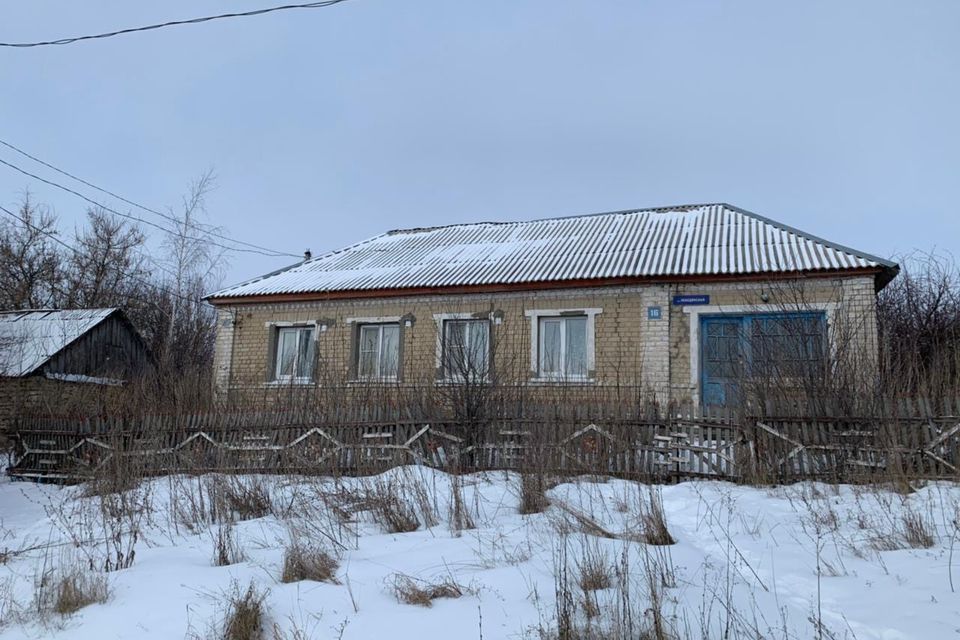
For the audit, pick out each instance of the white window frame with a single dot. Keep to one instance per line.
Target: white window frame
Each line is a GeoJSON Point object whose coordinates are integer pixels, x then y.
{"type": "Point", "coordinates": [441, 319]}
{"type": "Point", "coordinates": [277, 330]}
{"type": "Point", "coordinates": [535, 315]}
{"type": "Point", "coordinates": [379, 321]}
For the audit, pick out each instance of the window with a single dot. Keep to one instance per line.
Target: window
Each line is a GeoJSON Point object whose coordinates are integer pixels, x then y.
{"type": "Point", "coordinates": [378, 355]}
{"type": "Point", "coordinates": [563, 347]}
{"type": "Point", "coordinates": [791, 345]}
{"type": "Point", "coordinates": [466, 349]}
{"type": "Point", "coordinates": [295, 353]}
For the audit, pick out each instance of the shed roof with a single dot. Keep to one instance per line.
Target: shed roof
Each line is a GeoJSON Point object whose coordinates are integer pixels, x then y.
{"type": "Point", "coordinates": [28, 339]}
{"type": "Point", "coordinates": [663, 242]}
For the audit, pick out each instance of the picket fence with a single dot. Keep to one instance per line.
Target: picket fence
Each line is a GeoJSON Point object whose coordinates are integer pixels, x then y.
{"type": "Point", "coordinates": [767, 449]}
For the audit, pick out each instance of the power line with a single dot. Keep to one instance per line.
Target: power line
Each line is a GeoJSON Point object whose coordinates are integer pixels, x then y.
{"type": "Point", "coordinates": [129, 216]}
{"type": "Point", "coordinates": [173, 23]}
{"type": "Point", "coordinates": [76, 251]}
{"type": "Point", "coordinates": [140, 206]}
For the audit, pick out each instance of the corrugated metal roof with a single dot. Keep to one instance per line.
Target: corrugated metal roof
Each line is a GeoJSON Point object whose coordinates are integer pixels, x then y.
{"type": "Point", "coordinates": [29, 338]}
{"type": "Point", "coordinates": [711, 239]}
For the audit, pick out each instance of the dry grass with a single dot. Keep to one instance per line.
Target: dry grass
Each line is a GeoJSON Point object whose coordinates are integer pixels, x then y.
{"type": "Point", "coordinates": [917, 534]}
{"type": "Point", "coordinates": [245, 614]}
{"type": "Point", "coordinates": [533, 497]}
{"type": "Point", "coordinates": [460, 518]}
{"type": "Point", "coordinates": [390, 511]}
{"type": "Point", "coordinates": [248, 499]}
{"type": "Point", "coordinates": [308, 563]}
{"type": "Point", "coordinates": [77, 589]}
{"type": "Point", "coordinates": [226, 549]}
{"type": "Point", "coordinates": [409, 591]}
{"type": "Point", "coordinates": [654, 521]}
{"type": "Point", "coordinates": [593, 572]}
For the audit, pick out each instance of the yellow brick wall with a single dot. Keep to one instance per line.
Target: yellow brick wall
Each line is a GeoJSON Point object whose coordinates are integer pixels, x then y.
{"type": "Point", "coordinates": [630, 348]}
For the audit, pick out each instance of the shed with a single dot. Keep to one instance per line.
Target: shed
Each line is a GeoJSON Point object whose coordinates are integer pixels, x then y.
{"type": "Point", "coordinates": [49, 358]}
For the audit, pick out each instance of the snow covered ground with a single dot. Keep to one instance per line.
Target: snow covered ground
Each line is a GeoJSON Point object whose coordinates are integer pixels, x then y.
{"type": "Point", "coordinates": [805, 561]}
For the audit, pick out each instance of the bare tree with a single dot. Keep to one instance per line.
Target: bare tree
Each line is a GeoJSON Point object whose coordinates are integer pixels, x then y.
{"type": "Point", "coordinates": [180, 325]}
{"type": "Point", "coordinates": [108, 268]}
{"type": "Point", "coordinates": [30, 263]}
{"type": "Point", "coordinates": [919, 323]}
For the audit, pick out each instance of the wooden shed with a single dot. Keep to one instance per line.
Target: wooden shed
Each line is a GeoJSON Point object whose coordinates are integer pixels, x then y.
{"type": "Point", "coordinates": [64, 360]}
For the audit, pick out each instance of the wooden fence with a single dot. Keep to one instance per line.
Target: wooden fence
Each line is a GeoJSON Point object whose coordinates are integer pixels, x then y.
{"type": "Point", "coordinates": [773, 449]}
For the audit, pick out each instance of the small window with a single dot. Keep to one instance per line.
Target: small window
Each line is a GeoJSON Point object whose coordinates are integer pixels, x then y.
{"type": "Point", "coordinates": [563, 347]}
{"type": "Point", "coordinates": [295, 353]}
{"type": "Point", "coordinates": [378, 355]}
{"type": "Point", "coordinates": [466, 349]}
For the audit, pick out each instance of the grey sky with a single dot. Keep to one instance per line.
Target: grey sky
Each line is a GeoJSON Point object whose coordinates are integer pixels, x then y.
{"type": "Point", "coordinates": [332, 125]}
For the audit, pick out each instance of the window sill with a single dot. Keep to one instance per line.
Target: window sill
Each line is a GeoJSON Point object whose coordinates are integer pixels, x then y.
{"type": "Point", "coordinates": [373, 382]}
{"type": "Point", "coordinates": [295, 382]}
{"type": "Point", "coordinates": [454, 382]}
{"type": "Point", "coordinates": [568, 382]}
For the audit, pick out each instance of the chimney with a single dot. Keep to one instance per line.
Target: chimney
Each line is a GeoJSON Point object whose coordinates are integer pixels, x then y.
{"type": "Point", "coordinates": [307, 255]}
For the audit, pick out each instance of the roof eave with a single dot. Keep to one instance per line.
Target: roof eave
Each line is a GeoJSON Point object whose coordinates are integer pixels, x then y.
{"type": "Point", "coordinates": [881, 274]}
{"type": "Point", "coordinates": [886, 275]}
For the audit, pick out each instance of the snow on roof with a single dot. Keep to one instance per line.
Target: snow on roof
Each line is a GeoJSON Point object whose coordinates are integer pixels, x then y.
{"type": "Point", "coordinates": [29, 338]}
{"type": "Point", "coordinates": [709, 239]}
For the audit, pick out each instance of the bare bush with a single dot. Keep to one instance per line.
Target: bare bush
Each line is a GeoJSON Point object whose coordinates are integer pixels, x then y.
{"type": "Point", "coordinates": [66, 589]}
{"type": "Point", "coordinates": [245, 615]}
{"type": "Point", "coordinates": [226, 549]}
{"type": "Point", "coordinates": [76, 590]}
{"type": "Point", "coordinates": [308, 563]}
{"type": "Point", "coordinates": [653, 521]}
{"type": "Point", "coordinates": [919, 323]}
{"type": "Point", "coordinates": [916, 532]}
{"type": "Point", "coordinates": [247, 498]}
{"type": "Point", "coordinates": [410, 591]}
{"type": "Point", "coordinates": [392, 512]}
{"type": "Point", "coordinates": [593, 571]}
{"type": "Point", "coordinates": [533, 497]}
{"type": "Point", "coordinates": [460, 518]}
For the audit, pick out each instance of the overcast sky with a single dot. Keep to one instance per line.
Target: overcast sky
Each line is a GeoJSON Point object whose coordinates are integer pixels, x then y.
{"type": "Point", "coordinates": [328, 126]}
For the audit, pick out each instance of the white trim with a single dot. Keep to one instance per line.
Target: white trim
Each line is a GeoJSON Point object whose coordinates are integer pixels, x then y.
{"type": "Point", "coordinates": [695, 311]}
{"type": "Point", "coordinates": [439, 319]}
{"type": "Point", "coordinates": [535, 314]}
{"type": "Point", "coordinates": [379, 359]}
{"type": "Point", "coordinates": [293, 380]}
{"type": "Point", "coordinates": [375, 320]}
{"type": "Point", "coordinates": [280, 324]}
{"type": "Point", "coordinates": [75, 377]}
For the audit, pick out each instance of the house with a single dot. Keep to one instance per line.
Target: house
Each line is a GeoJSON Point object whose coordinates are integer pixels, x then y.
{"type": "Point", "coordinates": [60, 361]}
{"type": "Point", "coordinates": [689, 303]}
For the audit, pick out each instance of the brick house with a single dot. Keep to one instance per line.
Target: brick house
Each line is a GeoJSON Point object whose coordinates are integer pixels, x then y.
{"type": "Point", "coordinates": [687, 303]}
{"type": "Point", "coordinates": [64, 361]}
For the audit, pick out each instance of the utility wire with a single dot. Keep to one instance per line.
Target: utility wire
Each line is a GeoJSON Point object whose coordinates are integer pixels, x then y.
{"type": "Point", "coordinates": [140, 206]}
{"type": "Point", "coordinates": [172, 23]}
{"type": "Point", "coordinates": [129, 216]}
{"type": "Point", "coordinates": [76, 251]}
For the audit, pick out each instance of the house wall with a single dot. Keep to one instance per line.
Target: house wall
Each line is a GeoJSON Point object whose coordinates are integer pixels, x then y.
{"type": "Point", "coordinates": [37, 395]}
{"type": "Point", "coordinates": [630, 348]}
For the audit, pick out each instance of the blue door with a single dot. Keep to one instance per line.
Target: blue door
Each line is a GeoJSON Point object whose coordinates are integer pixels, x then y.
{"type": "Point", "coordinates": [721, 360]}
{"type": "Point", "coordinates": [766, 346]}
